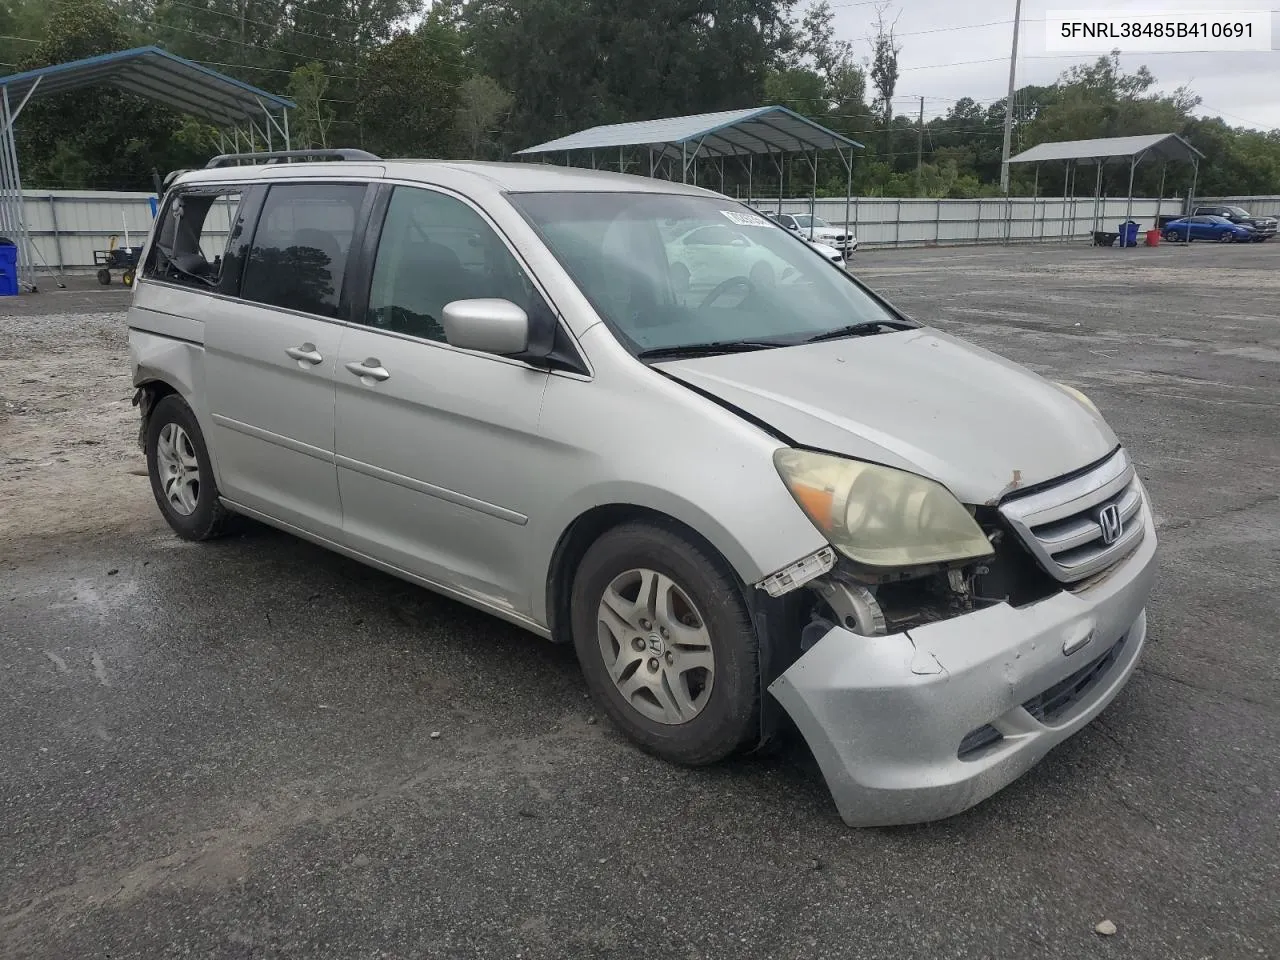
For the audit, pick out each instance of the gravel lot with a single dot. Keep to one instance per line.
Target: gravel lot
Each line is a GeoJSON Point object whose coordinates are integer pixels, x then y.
{"type": "Point", "coordinates": [228, 750]}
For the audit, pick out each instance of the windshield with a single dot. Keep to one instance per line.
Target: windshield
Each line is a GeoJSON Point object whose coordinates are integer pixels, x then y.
{"type": "Point", "coordinates": [667, 270]}
{"type": "Point", "coordinates": [805, 220]}
{"type": "Point", "coordinates": [1237, 212]}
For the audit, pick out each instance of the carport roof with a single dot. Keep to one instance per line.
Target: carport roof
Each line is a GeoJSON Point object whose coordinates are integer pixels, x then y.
{"type": "Point", "coordinates": [1168, 146]}
{"type": "Point", "coordinates": [728, 133]}
{"type": "Point", "coordinates": [158, 75]}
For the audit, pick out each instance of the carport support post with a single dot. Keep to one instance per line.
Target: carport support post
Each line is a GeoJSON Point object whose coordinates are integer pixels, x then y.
{"type": "Point", "coordinates": [1128, 207]}
{"type": "Point", "coordinates": [1160, 192]}
{"type": "Point", "coordinates": [750, 157]}
{"type": "Point", "coordinates": [1191, 199]}
{"type": "Point", "coordinates": [848, 191]}
{"type": "Point", "coordinates": [9, 145]}
{"type": "Point", "coordinates": [1097, 198]}
{"type": "Point", "coordinates": [782, 179]}
{"type": "Point", "coordinates": [684, 165]}
{"type": "Point", "coordinates": [813, 195]}
{"type": "Point", "coordinates": [1062, 222]}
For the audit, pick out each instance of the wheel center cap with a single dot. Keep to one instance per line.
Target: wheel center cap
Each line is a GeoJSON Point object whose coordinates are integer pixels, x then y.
{"type": "Point", "coordinates": [655, 645]}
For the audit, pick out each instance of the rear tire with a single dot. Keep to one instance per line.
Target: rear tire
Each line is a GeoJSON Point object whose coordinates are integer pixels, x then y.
{"type": "Point", "coordinates": [666, 644]}
{"type": "Point", "coordinates": [181, 473]}
{"type": "Point", "coordinates": [104, 277]}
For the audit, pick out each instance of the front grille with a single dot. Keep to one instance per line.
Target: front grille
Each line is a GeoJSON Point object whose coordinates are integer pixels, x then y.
{"type": "Point", "coordinates": [1063, 525]}
{"type": "Point", "coordinates": [1051, 704]}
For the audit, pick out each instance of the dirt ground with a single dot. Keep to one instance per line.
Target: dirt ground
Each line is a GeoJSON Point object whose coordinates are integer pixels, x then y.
{"type": "Point", "coordinates": [69, 460]}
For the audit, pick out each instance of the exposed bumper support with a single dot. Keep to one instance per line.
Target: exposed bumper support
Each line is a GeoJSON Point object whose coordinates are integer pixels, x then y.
{"type": "Point", "coordinates": [885, 716]}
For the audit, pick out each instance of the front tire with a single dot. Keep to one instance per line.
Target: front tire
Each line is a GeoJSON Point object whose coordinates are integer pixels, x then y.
{"type": "Point", "coordinates": [1226, 236]}
{"type": "Point", "coordinates": [181, 473]}
{"type": "Point", "coordinates": [666, 644]}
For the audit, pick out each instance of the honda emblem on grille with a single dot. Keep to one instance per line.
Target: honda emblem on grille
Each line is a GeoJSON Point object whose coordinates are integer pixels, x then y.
{"type": "Point", "coordinates": [1109, 521]}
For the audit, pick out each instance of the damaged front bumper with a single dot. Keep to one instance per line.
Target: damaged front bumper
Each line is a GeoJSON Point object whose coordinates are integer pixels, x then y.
{"type": "Point", "coordinates": [923, 724]}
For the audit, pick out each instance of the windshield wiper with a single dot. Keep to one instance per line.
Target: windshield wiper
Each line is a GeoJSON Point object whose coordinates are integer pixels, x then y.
{"type": "Point", "coordinates": [857, 330]}
{"type": "Point", "coordinates": [707, 349]}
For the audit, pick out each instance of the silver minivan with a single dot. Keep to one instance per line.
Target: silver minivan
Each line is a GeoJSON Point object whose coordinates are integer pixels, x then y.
{"type": "Point", "coordinates": [641, 418]}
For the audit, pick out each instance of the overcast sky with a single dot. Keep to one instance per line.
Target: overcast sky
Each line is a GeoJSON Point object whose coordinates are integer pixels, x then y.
{"type": "Point", "coordinates": [1242, 88]}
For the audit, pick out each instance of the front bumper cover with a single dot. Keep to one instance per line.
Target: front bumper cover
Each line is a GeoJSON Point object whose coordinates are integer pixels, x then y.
{"type": "Point", "coordinates": [885, 716]}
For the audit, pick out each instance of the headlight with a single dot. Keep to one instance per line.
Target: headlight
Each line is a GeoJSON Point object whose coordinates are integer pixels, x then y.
{"type": "Point", "coordinates": [879, 516]}
{"type": "Point", "coordinates": [1084, 401]}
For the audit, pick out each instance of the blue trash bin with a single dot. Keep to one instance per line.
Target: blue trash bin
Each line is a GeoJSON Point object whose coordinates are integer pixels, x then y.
{"type": "Point", "coordinates": [1129, 233]}
{"type": "Point", "coordinates": [8, 268]}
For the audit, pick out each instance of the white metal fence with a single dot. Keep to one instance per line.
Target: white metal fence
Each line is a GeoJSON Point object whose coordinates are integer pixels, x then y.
{"type": "Point", "coordinates": [895, 222]}
{"type": "Point", "coordinates": [67, 226]}
{"type": "Point", "coordinates": [1258, 206]}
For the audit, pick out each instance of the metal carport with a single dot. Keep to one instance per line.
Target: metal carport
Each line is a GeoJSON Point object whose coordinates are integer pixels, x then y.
{"type": "Point", "coordinates": [1163, 146]}
{"type": "Point", "coordinates": [773, 131]}
{"type": "Point", "coordinates": [236, 109]}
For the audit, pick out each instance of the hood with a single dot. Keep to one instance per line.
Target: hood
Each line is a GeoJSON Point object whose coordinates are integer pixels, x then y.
{"type": "Point", "coordinates": [918, 400]}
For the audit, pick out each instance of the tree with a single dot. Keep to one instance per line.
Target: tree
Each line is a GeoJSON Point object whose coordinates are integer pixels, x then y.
{"type": "Point", "coordinates": [884, 70]}
{"type": "Point", "coordinates": [481, 104]}
{"type": "Point", "coordinates": [94, 137]}
{"type": "Point", "coordinates": [571, 64]}
{"type": "Point", "coordinates": [408, 93]}
{"type": "Point", "coordinates": [313, 116]}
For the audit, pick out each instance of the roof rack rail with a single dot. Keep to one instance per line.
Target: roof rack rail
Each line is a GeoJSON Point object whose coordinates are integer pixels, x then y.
{"type": "Point", "coordinates": [227, 159]}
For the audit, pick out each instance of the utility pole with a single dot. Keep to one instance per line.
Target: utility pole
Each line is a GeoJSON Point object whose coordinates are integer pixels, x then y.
{"type": "Point", "coordinates": [920, 151]}
{"type": "Point", "coordinates": [1008, 104]}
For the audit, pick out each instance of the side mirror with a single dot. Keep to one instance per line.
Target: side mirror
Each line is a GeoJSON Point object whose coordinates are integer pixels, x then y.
{"type": "Point", "coordinates": [488, 326]}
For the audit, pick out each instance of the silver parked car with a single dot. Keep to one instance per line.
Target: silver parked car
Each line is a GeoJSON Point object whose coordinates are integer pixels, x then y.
{"type": "Point", "coordinates": [734, 497]}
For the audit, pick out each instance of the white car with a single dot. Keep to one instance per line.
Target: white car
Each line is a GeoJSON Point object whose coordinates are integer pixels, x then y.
{"type": "Point", "coordinates": [816, 229]}
{"type": "Point", "coordinates": [711, 254]}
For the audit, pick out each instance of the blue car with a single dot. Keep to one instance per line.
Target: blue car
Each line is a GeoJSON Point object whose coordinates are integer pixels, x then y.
{"type": "Point", "coordinates": [1207, 228]}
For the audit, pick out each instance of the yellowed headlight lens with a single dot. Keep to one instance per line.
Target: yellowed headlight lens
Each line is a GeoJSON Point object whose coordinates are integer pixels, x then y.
{"type": "Point", "coordinates": [880, 516]}
{"type": "Point", "coordinates": [1084, 401]}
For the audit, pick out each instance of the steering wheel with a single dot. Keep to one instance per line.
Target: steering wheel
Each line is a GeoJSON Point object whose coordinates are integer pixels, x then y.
{"type": "Point", "coordinates": [723, 287]}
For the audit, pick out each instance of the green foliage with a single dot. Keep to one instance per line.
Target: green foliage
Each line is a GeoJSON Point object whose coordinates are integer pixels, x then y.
{"type": "Point", "coordinates": [408, 93]}
{"type": "Point", "coordinates": [93, 138]}
{"type": "Point", "coordinates": [313, 117]}
{"type": "Point", "coordinates": [481, 78]}
{"type": "Point", "coordinates": [482, 104]}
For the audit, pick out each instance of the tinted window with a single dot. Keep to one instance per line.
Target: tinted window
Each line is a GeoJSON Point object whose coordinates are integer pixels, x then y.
{"type": "Point", "coordinates": [192, 237]}
{"type": "Point", "coordinates": [300, 247]}
{"type": "Point", "coordinates": [435, 249]}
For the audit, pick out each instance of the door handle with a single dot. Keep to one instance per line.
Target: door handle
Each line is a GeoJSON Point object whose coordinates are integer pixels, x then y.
{"type": "Point", "coordinates": [370, 368]}
{"type": "Point", "coordinates": [306, 353]}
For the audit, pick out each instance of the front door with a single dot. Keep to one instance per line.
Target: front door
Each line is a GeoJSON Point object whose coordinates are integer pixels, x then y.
{"type": "Point", "coordinates": [437, 448]}
{"type": "Point", "coordinates": [272, 356]}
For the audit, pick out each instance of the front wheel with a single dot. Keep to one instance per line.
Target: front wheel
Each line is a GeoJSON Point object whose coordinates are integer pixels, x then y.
{"type": "Point", "coordinates": [666, 644]}
{"type": "Point", "coordinates": [1226, 236]}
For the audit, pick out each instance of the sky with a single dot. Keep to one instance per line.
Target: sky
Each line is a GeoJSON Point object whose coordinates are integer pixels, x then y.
{"type": "Point", "coordinates": [940, 38]}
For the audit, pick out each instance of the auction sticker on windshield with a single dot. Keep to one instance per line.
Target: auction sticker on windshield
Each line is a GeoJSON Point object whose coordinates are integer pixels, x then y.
{"type": "Point", "coordinates": [746, 219]}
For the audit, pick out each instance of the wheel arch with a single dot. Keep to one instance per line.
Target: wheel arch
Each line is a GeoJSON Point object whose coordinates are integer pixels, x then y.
{"type": "Point", "coordinates": [586, 529]}
{"type": "Point", "coordinates": [777, 621]}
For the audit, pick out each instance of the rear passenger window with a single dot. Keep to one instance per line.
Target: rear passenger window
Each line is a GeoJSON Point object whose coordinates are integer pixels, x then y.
{"type": "Point", "coordinates": [299, 254]}
{"type": "Point", "coordinates": [192, 238]}
{"type": "Point", "coordinates": [435, 249]}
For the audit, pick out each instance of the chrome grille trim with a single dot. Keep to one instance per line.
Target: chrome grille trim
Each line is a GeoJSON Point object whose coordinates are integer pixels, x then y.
{"type": "Point", "coordinates": [1060, 526]}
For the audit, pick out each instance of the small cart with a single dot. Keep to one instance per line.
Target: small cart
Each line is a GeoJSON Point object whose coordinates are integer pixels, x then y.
{"type": "Point", "coordinates": [124, 259]}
